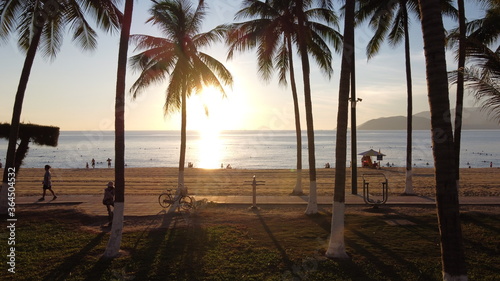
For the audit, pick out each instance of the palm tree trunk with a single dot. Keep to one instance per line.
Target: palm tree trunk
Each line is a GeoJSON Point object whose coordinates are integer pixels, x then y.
{"type": "Point", "coordinates": [460, 87]}
{"type": "Point", "coordinates": [336, 247]}
{"type": "Point", "coordinates": [452, 250]}
{"type": "Point", "coordinates": [354, 137]}
{"type": "Point", "coordinates": [21, 152]}
{"type": "Point", "coordinates": [16, 116]}
{"type": "Point", "coordinates": [409, 113]}
{"type": "Point", "coordinates": [298, 131]}
{"type": "Point", "coordinates": [312, 204]}
{"type": "Point", "coordinates": [182, 158]}
{"type": "Point", "coordinates": [113, 247]}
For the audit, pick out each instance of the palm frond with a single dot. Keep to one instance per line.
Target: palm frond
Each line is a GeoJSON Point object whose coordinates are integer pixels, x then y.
{"type": "Point", "coordinates": [83, 34]}
{"type": "Point", "coordinates": [52, 38]}
{"type": "Point", "coordinates": [154, 64]}
{"type": "Point", "coordinates": [396, 34]}
{"type": "Point", "coordinates": [218, 70]}
{"type": "Point", "coordinates": [282, 63]}
{"type": "Point", "coordinates": [253, 8]}
{"type": "Point", "coordinates": [484, 87]}
{"type": "Point", "coordinates": [207, 38]}
{"type": "Point", "coordinates": [320, 51]}
{"type": "Point", "coordinates": [173, 100]}
{"type": "Point", "coordinates": [329, 35]}
{"type": "Point", "coordinates": [10, 10]}
{"type": "Point", "coordinates": [105, 12]}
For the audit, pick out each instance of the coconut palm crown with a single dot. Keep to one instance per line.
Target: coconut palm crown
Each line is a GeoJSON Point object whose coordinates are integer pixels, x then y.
{"type": "Point", "coordinates": [176, 56]}
{"type": "Point", "coordinates": [53, 17]}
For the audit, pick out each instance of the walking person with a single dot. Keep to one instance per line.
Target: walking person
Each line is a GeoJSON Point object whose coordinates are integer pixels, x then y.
{"type": "Point", "coordinates": [93, 163]}
{"type": "Point", "coordinates": [109, 200]}
{"type": "Point", "coordinates": [47, 183]}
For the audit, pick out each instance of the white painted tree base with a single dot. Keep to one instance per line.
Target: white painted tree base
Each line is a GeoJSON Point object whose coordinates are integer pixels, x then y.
{"type": "Point", "coordinates": [312, 203]}
{"type": "Point", "coordinates": [409, 183]}
{"type": "Point", "coordinates": [336, 246]}
{"type": "Point", "coordinates": [115, 239]}
{"type": "Point", "coordinates": [448, 277]}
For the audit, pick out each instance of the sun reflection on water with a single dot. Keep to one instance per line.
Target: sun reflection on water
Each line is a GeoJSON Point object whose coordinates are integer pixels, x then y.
{"type": "Point", "coordinates": [210, 148]}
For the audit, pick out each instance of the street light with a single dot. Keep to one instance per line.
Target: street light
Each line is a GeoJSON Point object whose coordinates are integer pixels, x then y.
{"type": "Point", "coordinates": [354, 165]}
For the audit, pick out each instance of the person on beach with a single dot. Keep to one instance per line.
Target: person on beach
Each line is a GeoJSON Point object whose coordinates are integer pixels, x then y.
{"type": "Point", "coordinates": [109, 200]}
{"type": "Point", "coordinates": [93, 163]}
{"type": "Point", "coordinates": [47, 183]}
{"type": "Point", "coordinates": [109, 162]}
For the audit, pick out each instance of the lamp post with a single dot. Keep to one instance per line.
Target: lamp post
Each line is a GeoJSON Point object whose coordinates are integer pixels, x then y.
{"type": "Point", "coordinates": [354, 165]}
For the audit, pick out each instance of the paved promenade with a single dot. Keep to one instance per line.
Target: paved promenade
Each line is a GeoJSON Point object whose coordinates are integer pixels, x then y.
{"type": "Point", "coordinates": [144, 205]}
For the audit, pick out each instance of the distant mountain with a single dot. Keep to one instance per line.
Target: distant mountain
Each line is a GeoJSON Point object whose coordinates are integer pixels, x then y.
{"type": "Point", "coordinates": [473, 119]}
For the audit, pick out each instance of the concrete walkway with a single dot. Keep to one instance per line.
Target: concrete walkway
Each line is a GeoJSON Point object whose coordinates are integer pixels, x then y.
{"type": "Point", "coordinates": [144, 205]}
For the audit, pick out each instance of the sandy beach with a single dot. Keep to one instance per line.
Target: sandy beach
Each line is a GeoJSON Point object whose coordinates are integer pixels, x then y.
{"type": "Point", "coordinates": [149, 181]}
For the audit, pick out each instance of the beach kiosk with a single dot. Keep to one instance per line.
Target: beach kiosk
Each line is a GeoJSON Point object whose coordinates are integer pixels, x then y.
{"type": "Point", "coordinates": [366, 159]}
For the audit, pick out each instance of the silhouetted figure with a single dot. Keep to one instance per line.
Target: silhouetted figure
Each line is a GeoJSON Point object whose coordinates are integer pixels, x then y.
{"type": "Point", "coordinates": [109, 200]}
{"type": "Point", "coordinates": [47, 183]}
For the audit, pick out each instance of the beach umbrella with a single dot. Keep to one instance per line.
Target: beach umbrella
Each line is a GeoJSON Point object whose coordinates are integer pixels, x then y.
{"type": "Point", "coordinates": [371, 152]}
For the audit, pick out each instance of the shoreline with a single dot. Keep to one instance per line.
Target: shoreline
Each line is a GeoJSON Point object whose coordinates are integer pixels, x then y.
{"type": "Point", "coordinates": [223, 182]}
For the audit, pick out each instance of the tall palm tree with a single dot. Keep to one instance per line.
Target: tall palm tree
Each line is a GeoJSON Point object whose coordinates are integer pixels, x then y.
{"type": "Point", "coordinates": [178, 56]}
{"type": "Point", "coordinates": [40, 25]}
{"type": "Point", "coordinates": [452, 250]}
{"type": "Point", "coordinates": [273, 29]}
{"type": "Point", "coordinates": [457, 135]}
{"type": "Point", "coordinates": [336, 246]}
{"type": "Point", "coordinates": [481, 76]}
{"type": "Point", "coordinates": [113, 246]}
{"type": "Point", "coordinates": [390, 19]}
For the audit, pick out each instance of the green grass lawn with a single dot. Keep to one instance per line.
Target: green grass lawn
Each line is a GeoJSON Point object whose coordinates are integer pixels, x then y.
{"type": "Point", "coordinates": [231, 243]}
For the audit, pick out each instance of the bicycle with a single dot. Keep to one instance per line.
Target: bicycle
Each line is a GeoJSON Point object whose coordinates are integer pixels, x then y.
{"type": "Point", "coordinates": [166, 199]}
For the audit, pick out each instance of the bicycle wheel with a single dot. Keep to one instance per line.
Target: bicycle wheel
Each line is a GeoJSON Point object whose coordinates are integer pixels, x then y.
{"type": "Point", "coordinates": [186, 203]}
{"type": "Point", "coordinates": [165, 200]}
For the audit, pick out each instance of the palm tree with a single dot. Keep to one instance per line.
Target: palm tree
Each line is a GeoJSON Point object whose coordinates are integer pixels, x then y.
{"type": "Point", "coordinates": [273, 30]}
{"type": "Point", "coordinates": [390, 19]}
{"type": "Point", "coordinates": [452, 250]}
{"type": "Point", "coordinates": [336, 246]}
{"type": "Point", "coordinates": [40, 25]}
{"type": "Point", "coordinates": [113, 246]}
{"type": "Point", "coordinates": [178, 55]}
{"type": "Point", "coordinates": [479, 79]}
{"type": "Point", "coordinates": [460, 87]}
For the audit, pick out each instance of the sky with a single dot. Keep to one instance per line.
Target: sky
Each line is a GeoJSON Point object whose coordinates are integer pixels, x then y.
{"type": "Point", "coordinates": [76, 91]}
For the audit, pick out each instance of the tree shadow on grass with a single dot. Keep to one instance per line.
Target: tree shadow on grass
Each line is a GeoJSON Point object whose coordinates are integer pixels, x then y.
{"type": "Point", "coordinates": [156, 251]}
{"type": "Point", "coordinates": [361, 245]}
{"type": "Point", "coordinates": [284, 256]}
{"type": "Point", "coordinates": [389, 271]}
{"type": "Point", "coordinates": [63, 271]}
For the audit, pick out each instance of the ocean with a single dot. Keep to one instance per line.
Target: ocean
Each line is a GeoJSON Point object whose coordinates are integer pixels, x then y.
{"type": "Point", "coordinates": [248, 149]}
